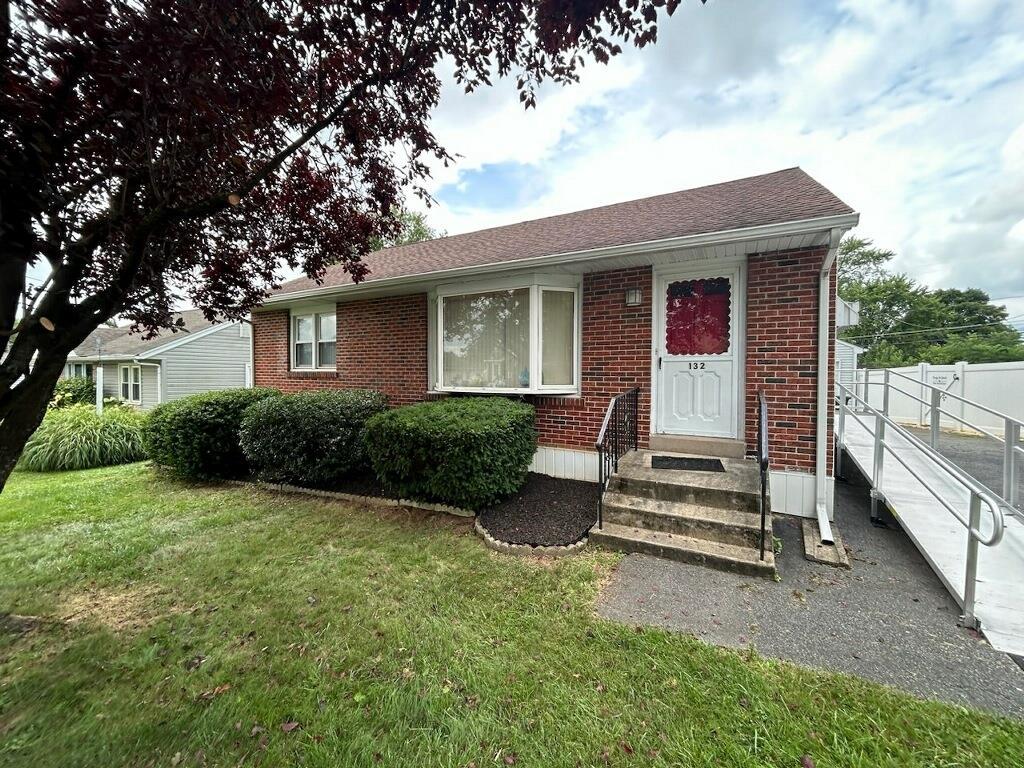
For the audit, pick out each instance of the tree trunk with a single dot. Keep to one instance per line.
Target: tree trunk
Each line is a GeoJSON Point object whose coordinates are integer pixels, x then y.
{"type": "Point", "coordinates": [25, 408]}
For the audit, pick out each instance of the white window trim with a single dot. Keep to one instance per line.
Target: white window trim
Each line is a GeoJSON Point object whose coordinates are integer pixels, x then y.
{"type": "Point", "coordinates": [314, 315]}
{"type": "Point", "coordinates": [87, 370]}
{"type": "Point", "coordinates": [536, 284]}
{"type": "Point", "coordinates": [120, 383]}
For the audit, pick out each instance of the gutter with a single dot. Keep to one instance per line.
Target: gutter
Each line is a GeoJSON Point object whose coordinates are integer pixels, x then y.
{"type": "Point", "coordinates": [842, 222]}
{"type": "Point", "coordinates": [824, 400]}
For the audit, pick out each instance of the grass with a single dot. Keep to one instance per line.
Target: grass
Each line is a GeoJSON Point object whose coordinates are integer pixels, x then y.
{"type": "Point", "coordinates": [76, 437]}
{"type": "Point", "coordinates": [156, 623]}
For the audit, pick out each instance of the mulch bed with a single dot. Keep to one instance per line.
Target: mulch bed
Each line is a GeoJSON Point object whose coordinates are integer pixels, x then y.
{"type": "Point", "coordinates": [546, 512]}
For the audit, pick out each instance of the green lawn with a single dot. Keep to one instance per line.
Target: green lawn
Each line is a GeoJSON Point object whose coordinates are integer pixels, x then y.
{"type": "Point", "coordinates": [154, 623]}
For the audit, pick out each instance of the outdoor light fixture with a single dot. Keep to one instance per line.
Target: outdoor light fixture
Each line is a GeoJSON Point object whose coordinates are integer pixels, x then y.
{"type": "Point", "coordinates": [634, 297]}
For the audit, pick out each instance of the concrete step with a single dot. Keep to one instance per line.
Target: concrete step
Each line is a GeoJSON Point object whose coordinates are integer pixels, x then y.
{"type": "Point", "coordinates": [698, 446]}
{"type": "Point", "coordinates": [727, 557]}
{"type": "Point", "coordinates": [729, 526]}
{"type": "Point", "coordinates": [737, 488]}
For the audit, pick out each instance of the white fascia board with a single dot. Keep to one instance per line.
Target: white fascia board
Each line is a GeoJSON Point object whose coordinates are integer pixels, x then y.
{"type": "Point", "coordinates": [185, 339]}
{"type": "Point", "coordinates": [103, 359]}
{"type": "Point", "coordinates": [783, 229]}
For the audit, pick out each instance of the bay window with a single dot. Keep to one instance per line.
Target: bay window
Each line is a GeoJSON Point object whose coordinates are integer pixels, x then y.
{"type": "Point", "coordinates": [523, 338]}
{"type": "Point", "coordinates": [314, 340]}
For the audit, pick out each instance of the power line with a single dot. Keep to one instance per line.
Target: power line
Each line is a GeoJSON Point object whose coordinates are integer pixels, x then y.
{"type": "Point", "coordinates": [940, 328]}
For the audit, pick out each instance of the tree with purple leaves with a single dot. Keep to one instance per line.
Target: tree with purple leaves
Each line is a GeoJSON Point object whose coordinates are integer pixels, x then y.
{"type": "Point", "coordinates": [165, 151]}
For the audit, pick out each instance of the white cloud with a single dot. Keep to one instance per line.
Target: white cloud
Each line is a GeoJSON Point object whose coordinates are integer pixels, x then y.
{"type": "Point", "coordinates": [912, 112]}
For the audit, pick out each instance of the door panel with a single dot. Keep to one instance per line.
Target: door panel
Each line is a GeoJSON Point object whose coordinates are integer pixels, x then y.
{"type": "Point", "coordinates": [698, 363]}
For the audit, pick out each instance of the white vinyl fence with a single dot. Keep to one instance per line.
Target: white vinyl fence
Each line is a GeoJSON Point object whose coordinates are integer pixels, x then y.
{"type": "Point", "coordinates": [1000, 386]}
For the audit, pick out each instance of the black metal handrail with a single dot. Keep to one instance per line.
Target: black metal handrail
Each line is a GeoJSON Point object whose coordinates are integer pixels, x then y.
{"type": "Point", "coordinates": [762, 460]}
{"type": "Point", "coordinates": [619, 434]}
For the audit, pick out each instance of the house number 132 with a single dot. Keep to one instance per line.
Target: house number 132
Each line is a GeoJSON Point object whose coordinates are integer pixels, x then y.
{"type": "Point", "coordinates": [696, 366]}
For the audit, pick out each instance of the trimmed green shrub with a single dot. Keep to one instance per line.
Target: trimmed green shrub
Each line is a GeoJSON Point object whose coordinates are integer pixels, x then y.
{"type": "Point", "coordinates": [470, 452]}
{"type": "Point", "coordinates": [310, 438]}
{"type": "Point", "coordinates": [197, 436]}
{"type": "Point", "coordinates": [76, 437]}
{"type": "Point", "coordinates": [76, 390]}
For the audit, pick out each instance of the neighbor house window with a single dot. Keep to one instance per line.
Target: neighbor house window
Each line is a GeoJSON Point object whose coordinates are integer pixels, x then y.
{"type": "Point", "coordinates": [517, 339]}
{"type": "Point", "coordinates": [80, 370]}
{"type": "Point", "coordinates": [314, 340]}
{"type": "Point", "coordinates": [131, 383]}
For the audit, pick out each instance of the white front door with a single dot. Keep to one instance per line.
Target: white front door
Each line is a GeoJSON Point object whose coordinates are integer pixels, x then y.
{"type": "Point", "coordinates": [697, 328]}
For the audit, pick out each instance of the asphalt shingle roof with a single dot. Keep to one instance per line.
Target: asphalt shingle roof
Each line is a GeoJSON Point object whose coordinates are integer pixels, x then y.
{"type": "Point", "coordinates": [120, 342]}
{"type": "Point", "coordinates": [772, 198]}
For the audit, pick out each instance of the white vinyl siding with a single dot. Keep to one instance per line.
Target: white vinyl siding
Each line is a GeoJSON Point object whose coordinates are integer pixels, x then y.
{"type": "Point", "coordinates": [218, 360]}
{"type": "Point", "coordinates": [110, 381]}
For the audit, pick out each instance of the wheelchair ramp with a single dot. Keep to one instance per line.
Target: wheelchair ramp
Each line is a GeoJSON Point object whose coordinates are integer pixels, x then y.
{"type": "Point", "coordinates": [941, 539]}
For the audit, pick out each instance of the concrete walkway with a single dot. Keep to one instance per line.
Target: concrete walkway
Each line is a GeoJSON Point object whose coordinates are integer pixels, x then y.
{"type": "Point", "coordinates": [887, 619]}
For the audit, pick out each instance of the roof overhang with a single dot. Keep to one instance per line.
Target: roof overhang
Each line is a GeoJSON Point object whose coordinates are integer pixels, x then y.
{"type": "Point", "coordinates": [733, 242]}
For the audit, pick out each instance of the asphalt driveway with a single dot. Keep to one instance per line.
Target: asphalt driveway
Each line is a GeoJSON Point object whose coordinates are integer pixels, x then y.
{"type": "Point", "coordinates": [888, 619]}
{"type": "Point", "coordinates": [980, 457]}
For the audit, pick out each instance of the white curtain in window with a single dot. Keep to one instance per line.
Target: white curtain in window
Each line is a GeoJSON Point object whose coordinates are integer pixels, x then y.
{"type": "Point", "coordinates": [487, 339]}
{"type": "Point", "coordinates": [326, 333]}
{"type": "Point", "coordinates": [304, 342]}
{"type": "Point", "coordinates": [557, 337]}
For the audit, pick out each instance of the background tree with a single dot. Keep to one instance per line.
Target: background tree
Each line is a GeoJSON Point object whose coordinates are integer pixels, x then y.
{"type": "Point", "coordinates": [412, 227]}
{"type": "Point", "coordinates": [162, 150]}
{"type": "Point", "coordinates": [903, 323]}
{"type": "Point", "coordinates": [861, 262]}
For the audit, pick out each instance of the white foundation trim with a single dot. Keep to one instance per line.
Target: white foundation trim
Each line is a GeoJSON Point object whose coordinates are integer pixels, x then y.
{"type": "Point", "coordinates": [570, 463]}
{"type": "Point", "coordinates": [796, 493]}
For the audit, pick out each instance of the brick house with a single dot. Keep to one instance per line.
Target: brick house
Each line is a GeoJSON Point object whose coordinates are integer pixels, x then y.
{"type": "Point", "coordinates": [701, 298]}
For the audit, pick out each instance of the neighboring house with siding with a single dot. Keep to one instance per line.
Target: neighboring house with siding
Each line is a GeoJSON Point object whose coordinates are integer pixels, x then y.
{"type": "Point", "coordinates": [701, 298]}
{"type": "Point", "coordinates": [198, 357]}
{"type": "Point", "coordinates": [847, 353]}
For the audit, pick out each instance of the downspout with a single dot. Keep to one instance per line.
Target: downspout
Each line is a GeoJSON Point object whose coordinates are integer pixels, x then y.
{"type": "Point", "coordinates": [824, 399]}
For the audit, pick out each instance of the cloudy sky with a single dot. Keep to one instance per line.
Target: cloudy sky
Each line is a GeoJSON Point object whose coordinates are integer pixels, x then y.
{"type": "Point", "coordinates": [912, 112]}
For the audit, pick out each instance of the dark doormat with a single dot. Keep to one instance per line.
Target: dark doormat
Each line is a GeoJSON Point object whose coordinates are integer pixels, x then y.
{"type": "Point", "coordinates": [685, 462]}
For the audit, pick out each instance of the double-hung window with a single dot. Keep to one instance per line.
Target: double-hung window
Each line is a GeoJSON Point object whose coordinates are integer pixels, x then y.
{"type": "Point", "coordinates": [523, 338]}
{"type": "Point", "coordinates": [80, 370]}
{"type": "Point", "coordinates": [314, 340]}
{"type": "Point", "coordinates": [130, 383]}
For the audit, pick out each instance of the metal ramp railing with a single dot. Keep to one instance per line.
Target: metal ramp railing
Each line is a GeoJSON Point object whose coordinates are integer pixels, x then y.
{"type": "Point", "coordinates": [922, 462]}
{"type": "Point", "coordinates": [1010, 440]}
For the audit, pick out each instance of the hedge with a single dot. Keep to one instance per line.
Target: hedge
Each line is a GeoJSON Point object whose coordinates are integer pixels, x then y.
{"type": "Point", "coordinates": [310, 438]}
{"type": "Point", "coordinates": [197, 436]}
{"type": "Point", "coordinates": [74, 390]}
{"type": "Point", "coordinates": [76, 437]}
{"type": "Point", "coordinates": [470, 452]}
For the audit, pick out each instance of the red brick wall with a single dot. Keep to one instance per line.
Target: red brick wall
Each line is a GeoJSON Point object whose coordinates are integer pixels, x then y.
{"type": "Point", "coordinates": [782, 349]}
{"type": "Point", "coordinates": [616, 357]}
{"type": "Point", "coordinates": [382, 345]}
